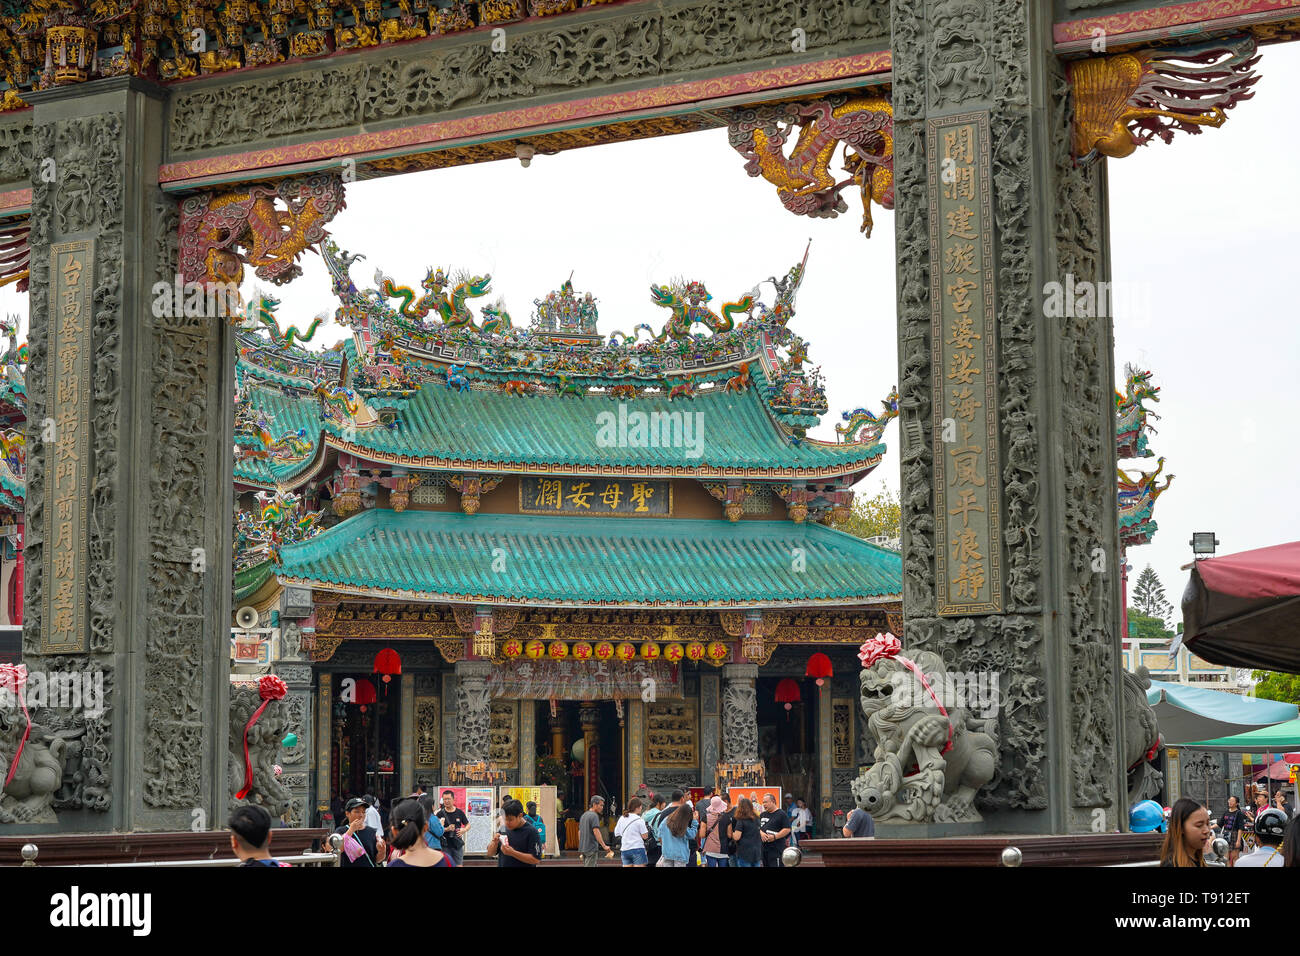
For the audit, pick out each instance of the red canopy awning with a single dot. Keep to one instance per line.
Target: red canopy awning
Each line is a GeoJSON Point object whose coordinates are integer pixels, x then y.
{"type": "Point", "coordinates": [1243, 610]}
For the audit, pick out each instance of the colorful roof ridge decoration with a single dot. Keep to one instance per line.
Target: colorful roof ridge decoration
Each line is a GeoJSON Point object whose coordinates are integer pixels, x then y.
{"type": "Point", "coordinates": [1137, 498]}
{"type": "Point", "coordinates": [576, 561]}
{"type": "Point", "coordinates": [13, 416]}
{"type": "Point", "coordinates": [422, 384]}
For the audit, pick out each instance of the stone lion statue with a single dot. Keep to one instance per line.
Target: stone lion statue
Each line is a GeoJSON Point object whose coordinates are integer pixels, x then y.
{"type": "Point", "coordinates": [264, 750]}
{"type": "Point", "coordinates": [917, 776]}
{"type": "Point", "coordinates": [29, 796]}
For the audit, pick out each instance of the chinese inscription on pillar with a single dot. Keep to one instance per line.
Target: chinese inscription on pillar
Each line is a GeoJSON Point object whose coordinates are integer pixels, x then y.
{"type": "Point", "coordinates": [968, 543]}
{"type": "Point", "coordinates": [66, 436]}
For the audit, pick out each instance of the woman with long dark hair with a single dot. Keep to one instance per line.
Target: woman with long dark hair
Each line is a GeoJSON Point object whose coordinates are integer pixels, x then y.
{"type": "Point", "coordinates": [408, 825]}
{"type": "Point", "coordinates": [744, 830]}
{"type": "Point", "coordinates": [632, 831]}
{"type": "Point", "coordinates": [675, 833]}
{"type": "Point", "coordinates": [1189, 832]}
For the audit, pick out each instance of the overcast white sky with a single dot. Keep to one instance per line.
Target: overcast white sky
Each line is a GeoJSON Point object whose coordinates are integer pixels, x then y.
{"type": "Point", "coordinates": [1203, 230]}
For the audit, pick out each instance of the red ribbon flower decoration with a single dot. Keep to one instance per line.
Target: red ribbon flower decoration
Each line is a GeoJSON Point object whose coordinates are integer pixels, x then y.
{"type": "Point", "coordinates": [269, 688]}
{"type": "Point", "coordinates": [13, 677]}
{"type": "Point", "coordinates": [887, 645]}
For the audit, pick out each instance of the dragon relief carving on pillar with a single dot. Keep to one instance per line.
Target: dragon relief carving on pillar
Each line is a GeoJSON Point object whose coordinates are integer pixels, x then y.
{"type": "Point", "coordinates": [473, 718]}
{"type": "Point", "coordinates": [221, 232]}
{"type": "Point", "coordinates": [1126, 100]}
{"type": "Point", "coordinates": [739, 722]}
{"type": "Point", "coordinates": [862, 124]}
{"type": "Point", "coordinates": [264, 750]}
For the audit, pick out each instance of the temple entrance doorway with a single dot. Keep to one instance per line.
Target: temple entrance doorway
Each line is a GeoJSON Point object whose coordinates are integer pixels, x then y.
{"type": "Point", "coordinates": [581, 751]}
{"type": "Point", "coordinates": [364, 743]}
{"type": "Point", "coordinates": [787, 739]}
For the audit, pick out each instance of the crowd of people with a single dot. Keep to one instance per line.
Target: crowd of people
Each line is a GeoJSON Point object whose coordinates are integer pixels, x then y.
{"type": "Point", "coordinates": [1265, 836]}
{"type": "Point", "coordinates": [652, 831]}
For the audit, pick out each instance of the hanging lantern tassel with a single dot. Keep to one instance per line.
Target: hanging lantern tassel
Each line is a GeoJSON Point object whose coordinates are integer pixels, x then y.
{"type": "Point", "coordinates": [13, 677]}
{"type": "Point", "coordinates": [269, 688]}
{"type": "Point", "coordinates": [819, 667]}
{"type": "Point", "coordinates": [787, 692]}
{"type": "Point", "coordinates": [887, 645]}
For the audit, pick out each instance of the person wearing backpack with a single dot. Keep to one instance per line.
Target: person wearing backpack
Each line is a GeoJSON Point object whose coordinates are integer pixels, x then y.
{"type": "Point", "coordinates": [652, 848]}
{"type": "Point", "coordinates": [715, 840]}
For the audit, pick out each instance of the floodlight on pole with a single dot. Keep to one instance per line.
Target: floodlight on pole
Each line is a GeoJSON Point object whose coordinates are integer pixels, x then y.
{"type": "Point", "coordinates": [1203, 543]}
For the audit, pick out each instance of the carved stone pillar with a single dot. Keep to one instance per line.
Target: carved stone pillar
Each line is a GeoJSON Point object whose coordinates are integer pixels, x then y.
{"type": "Point", "coordinates": [129, 460]}
{"type": "Point", "coordinates": [473, 711]}
{"type": "Point", "coordinates": [590, 717]}
{"type": "Point", "coordinates": [739, 714]}
{"type": "Point", "coordinates": [406, 778]}
{"type": "Point", "coordinates": [1008, 464]}
{"type": "Point", "coordinates": [294, 760]}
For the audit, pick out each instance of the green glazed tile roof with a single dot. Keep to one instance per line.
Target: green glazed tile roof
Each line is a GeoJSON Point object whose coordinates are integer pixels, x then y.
{"type": "Point", "coordinates": [736, 431]}
{"type": "Point", "coordinates": [424, 555]}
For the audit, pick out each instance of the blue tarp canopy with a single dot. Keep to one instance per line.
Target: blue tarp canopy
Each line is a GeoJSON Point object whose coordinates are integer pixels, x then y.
{"type": "Point", "coordinates": [1198, 714]}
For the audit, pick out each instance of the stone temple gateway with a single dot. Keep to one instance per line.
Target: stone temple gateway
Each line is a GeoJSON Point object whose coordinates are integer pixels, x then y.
{"type": "Point", "coordinates": [134, 158]}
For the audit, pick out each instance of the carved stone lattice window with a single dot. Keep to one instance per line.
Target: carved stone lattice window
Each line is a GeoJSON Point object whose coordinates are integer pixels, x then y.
{"type": "Point", "coordinates": [431, 491]}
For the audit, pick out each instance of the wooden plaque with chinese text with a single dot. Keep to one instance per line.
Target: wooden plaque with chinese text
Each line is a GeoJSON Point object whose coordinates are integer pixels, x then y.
{"type": "Point", "coordinates": [968, 540]}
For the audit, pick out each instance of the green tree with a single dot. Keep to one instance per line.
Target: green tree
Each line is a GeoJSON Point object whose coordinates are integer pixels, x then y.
{"type": "Point", "coordinates": [1147, 627]}
{"type": "Point", "coordinates": [872, 517]}
{"type": "Point", "coordinates": [1275, 686]}
{"type": "Point", "coordinates": [1149, 595]}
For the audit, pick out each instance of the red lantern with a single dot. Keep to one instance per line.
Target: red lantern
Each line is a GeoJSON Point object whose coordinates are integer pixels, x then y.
{"type": "Point", "coordinates": [787, 692]}
{"type": "Point", "coordinates": [387, 663]}
{"type": "Point", "coordinates": [365, 692]}
{"type": "Point", "coordinates": [819, 666]}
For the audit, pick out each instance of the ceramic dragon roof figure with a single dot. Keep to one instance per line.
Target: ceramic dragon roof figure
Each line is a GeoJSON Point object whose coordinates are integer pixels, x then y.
{"type": "Point", "coordinates": [1131, 413]}
{"type": "Point", "coordinates": [1138, 492]}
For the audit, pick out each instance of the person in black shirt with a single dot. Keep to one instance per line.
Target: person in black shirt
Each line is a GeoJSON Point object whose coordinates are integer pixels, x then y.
{"type": "Point", "coordinates": [775, 826]}
{"type": "Point", "coordinates": [250, 836]}
{"type": "Point", "coordinates": [454, 826]}
{"type": "Point", "coordinates": [371, 843]}
{"type": "Point", "coordinates": [522, 844]}
{"type": "Point", "coordinates": [744, 830]}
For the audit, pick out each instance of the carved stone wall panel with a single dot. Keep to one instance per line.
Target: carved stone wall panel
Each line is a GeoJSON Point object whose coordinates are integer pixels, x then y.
{"type": "Point", "coordinates": [16, 153]}
{"type": "Point", "coordinates": [298, 717]}
{"type": "Point", "coordinates": [87, 732]}
{"type": "Point", "coordinates": [638, 42]}
{"type": "Point", "coordinates": [1088, 473]}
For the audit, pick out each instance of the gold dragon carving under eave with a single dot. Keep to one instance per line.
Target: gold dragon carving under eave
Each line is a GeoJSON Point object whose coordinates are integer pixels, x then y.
{"type": "Point", "coordinates": [1124, 101]}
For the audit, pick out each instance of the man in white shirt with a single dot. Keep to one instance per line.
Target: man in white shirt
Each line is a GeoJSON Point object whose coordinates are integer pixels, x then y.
{"type": "Point", "coordinates": [372, 814]}
{"type": "Point", "coordinates": [1270, 826]}
{"type": "Point", "coordinates": [799, 821]}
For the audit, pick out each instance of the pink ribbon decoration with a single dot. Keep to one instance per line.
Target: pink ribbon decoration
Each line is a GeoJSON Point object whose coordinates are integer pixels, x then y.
{"type": "Point", "coordinates": [887, 645]}
{"type": "Point", "coordinates": [14, 677]}
{"type": "Point", "coordinates": [269, 688]}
